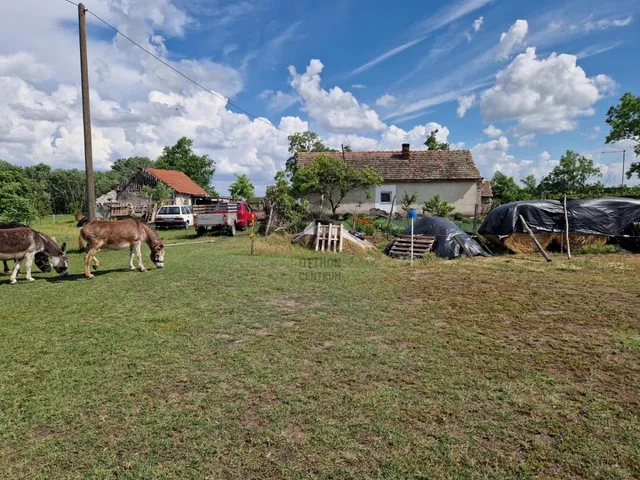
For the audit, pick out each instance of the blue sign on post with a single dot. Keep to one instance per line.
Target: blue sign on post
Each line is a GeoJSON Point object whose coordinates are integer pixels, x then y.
{"type": "Point", "coordinates": [413, 213]}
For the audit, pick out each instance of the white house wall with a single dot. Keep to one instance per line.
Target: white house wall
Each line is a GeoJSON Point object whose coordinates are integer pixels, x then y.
{"type": "Point", "coordinates": [463, 195]}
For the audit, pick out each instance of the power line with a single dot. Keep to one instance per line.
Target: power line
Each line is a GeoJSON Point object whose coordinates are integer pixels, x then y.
{"type": "Point", "coordinates": [181, 73]}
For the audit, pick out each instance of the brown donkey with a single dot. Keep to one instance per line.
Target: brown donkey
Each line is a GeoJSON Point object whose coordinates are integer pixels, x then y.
{"type": "Point", "coordinates": [118, 235]}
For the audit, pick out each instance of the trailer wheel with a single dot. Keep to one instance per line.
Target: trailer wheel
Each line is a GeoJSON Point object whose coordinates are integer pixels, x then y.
{"type": "Point", "coordinates": [232, 230]}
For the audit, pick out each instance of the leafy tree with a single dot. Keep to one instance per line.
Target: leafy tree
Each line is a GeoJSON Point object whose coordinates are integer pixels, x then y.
{"type": "Point", "coordinates": [530, 189]}
{"type": "Point", "coordinates": [125, 168]}
{"type": "Point", "coordinates": [624, 120]}
{"type": "Point", "coordinates": [14, 208]}
{"type": "Point", "coordinates": [571, 175]}
{"type": "Point", "coordinates": [332, 178]}
{"type": "Point", "coordinates": [212, 192]}
{"type": "Point", "coordinates": [282, 202]}
{"type": "Point", "coordinates": [437, 207]}
{"type": "Point", "coordinates": [242, 187]}
{"type": "Point", "coordinates": [433, 144]}
{"type": "Point", "coordinates": [105, 182]}
{"type": "Point", "coordinates": [505, 189]}
{"type": "Point", "coordinates": [67, 189]}
{"type": "Point", "coordinates": [181, 157]}
{"type": "Point", "coordinates": [159, 193]}
{"type": "Point", "coordinates": [304, 142]}
{"type": "Point", "coordinates": [408, 199]}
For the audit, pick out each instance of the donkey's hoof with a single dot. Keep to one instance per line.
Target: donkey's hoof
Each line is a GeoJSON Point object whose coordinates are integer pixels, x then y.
{"type": "Point", "coordinates": [143, 269]}
{"type": "Point", "coordinates": [95, 267]}
{"type": "Point", "coordinates": [13, 281]}
{"type": "Point", "coordinates": [30, 279]}
{"type": "Point", "coordinates": [132, 268]}
{"type": "Point", "coordinates": [89, 277]}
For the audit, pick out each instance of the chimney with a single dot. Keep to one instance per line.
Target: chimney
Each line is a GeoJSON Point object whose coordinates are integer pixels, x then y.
{"type": "Point", "coordinates": [406, 149]}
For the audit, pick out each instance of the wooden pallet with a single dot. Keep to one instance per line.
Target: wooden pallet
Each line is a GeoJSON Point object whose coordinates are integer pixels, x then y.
{"type": "Point", "coordinates": [401, 246]}
{"type": "Point", "coordinates": [328, 238]}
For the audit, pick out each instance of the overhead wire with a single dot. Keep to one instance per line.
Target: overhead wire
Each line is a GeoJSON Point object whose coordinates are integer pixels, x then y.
{"type": "Point", "coordinates": [166, 64]}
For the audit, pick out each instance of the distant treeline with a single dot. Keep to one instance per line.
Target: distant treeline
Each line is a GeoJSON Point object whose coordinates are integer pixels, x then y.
{"type": "Point", "coordinates": [27, 193]}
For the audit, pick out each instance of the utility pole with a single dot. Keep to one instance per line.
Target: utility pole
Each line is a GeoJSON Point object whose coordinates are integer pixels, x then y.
{"type": "Point", "coordinates": [86, 113]}
{"type": "Point", "coordinates": [624, 153]}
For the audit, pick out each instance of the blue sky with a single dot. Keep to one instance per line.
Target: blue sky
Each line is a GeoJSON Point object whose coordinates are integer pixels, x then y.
{"type": "Point", "coordinates": [516, 82]}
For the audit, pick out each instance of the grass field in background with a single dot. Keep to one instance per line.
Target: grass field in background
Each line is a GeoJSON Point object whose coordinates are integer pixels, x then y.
{"type": "Point", "coordinates": [223, 365]}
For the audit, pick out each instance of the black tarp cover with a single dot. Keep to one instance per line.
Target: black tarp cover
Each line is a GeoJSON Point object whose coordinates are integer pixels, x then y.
{"type": "Point", "coordinates": [444, 230]}
{"type": "Point", "coordinates": [599, 216]}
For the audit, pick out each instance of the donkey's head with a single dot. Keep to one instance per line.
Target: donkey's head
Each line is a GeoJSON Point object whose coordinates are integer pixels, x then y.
{"type": "Point", "coordinates": [157, 254]}
{"type": "Point", "coordinates": [59, 260]}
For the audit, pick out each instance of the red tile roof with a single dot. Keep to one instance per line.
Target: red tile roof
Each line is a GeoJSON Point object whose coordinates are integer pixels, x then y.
{"type": "Point", "coordinates": [418, 165]}
{"type": "Point", "coordinates": [180, 182]}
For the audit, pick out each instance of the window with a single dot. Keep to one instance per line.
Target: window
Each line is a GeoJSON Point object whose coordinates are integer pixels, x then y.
{"type": "Point", "coordinates": [385, 197]}
{"type": "Point", "coordinates": [185, 210]}
{"type": "Point", "coordinates": [169, 211]}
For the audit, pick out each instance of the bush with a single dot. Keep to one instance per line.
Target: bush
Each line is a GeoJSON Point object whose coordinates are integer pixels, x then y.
{"type": "Point", "coordinates": [458, 217]}
{"type": "Point", "coordinates": [437, 207]}
{"type": "Point", "coordinates": [18, 209]}
{"type": "Point", "coordinates": [597, 250]}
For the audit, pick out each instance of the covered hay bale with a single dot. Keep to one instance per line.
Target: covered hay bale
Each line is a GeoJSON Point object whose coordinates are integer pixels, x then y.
{"type": "Point", "coordinates": [582, 240]}
{"type": "Point", "coordinates": [523, 243]}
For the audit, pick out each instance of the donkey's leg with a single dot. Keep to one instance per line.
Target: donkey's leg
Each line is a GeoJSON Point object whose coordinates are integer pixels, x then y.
{"type": "Point", "coordinates": [96, 263]}
{"type": "Point", "coordinates": [87, 262]}
{"type": "Point", "coordinates": [6, 267]}
{"type": "Point", "coordinates": [29, 262]}
{"type": "Point", "coordinates": [14, 274]}
{"type": "Point", "coordinates": [139, 255]}
{"type": "Point", "coordinates": [132, 253]}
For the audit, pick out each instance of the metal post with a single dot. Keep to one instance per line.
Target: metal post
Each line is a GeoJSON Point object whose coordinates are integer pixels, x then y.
{"type": "Point", "coordinates": [86, 112]}
{"type": "Point", "coordinates": [624, 152]}
{"type": "Point", "coordinates": [411, 240]}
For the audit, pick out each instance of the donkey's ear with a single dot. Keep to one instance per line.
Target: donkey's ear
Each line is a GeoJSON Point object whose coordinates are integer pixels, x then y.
{"type": "Point", "coordinates": [64, 247]}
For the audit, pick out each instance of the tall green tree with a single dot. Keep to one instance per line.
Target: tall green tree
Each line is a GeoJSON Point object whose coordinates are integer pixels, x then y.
{"type": "Point", "coordinates": [125, 168]}
{"type": "Point", "coordinates": [433, 144]}
{"type": "Point", "coordinates": [624, 120]}
{"type": "Point", "coordinates": [505, 189]}
{"type": "Point", "coordinates": [530, 187]}
{"type": "Point", "coordinates": [332, 178]}
{"type": "Point", "coordinates": [571, 175]}
{"type": "Point", "coordinates": [242, 187]}
{"type": "Point", "coordinates": [304, 142]}
{"type": "Point", "coordinates": [181, 157]}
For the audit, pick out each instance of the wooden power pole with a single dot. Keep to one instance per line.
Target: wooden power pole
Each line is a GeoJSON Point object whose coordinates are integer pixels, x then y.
{"type": "Point", "coordinates": [86, 113]}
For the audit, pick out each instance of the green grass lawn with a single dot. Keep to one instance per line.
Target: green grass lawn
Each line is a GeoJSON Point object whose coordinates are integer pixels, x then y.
{"type": "Point", "coordinates": [223, 365]}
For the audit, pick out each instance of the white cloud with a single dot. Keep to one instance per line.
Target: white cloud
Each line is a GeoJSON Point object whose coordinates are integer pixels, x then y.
{"type": "Point", "coordinates": [544, 156]}
{"type": "Point", "coordinates": [23, 65]}
{"type": "Point", "coordinates": [543, 95]}
{"type": "Point", "coordinates": [423, 29]}
{"type": "Point", "coordinates": [513, 38]}
{"type": "Point", "coordinates": [336, 111]}
{"type": "Point", "coordinates": [492, 132]}
{"type": "Point", "coordinates": [606, 23]}
{"type": "Point", "coordinates": [358, 85]}
{"type": "Point", "coordinates": [278, 101]}
{"type": "Point", "coordinates": [477, 23]}
{"type": "Point", "coordinates": [492, 153]}
{"type": "Point", "coordinates": [394, 137]}
{"type": "Point", "coordinates": [385, 100]}
{"type": "Point", "coordinates": [467, 35]}
{"type": "Point", "coordinates": [527, 140]}
{"type": "Point", "coordinates": [465, 103]}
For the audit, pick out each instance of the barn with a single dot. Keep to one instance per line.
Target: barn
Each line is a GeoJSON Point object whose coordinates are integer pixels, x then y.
{"type": "Point", "coordinates": [184, 190]}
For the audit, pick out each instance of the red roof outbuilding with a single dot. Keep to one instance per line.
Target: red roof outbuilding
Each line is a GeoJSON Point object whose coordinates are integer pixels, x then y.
{"type": "Point", "coordinates": [180, 182]}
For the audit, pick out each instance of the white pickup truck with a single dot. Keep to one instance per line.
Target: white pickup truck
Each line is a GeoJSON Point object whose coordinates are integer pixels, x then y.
{"type": "Point", "coordinates": [216, 217]}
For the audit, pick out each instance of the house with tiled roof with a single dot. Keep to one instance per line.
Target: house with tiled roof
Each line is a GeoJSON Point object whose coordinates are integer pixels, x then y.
{"type": "Point", "coordinates": [184, 191]}
{"type": "Point", "coordinates": [452, 174]}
